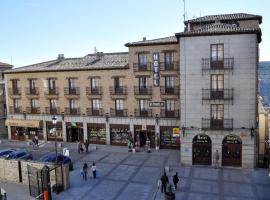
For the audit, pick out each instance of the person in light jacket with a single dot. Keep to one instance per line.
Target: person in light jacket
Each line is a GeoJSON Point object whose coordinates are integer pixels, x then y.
{"type": "Point", "coordinates": [94, 170]}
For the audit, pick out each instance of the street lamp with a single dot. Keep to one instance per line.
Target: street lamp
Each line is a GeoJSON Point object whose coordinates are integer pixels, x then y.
{"type": "Point", "coordinates": [54, 121]}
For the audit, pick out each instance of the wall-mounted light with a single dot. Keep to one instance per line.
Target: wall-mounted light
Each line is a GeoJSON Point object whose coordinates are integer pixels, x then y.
{"type": "Point", "coordinates": [157, 118]}
{"type": "Point", "coordinates": [183, 130]}
{"type": "Point", "coordinates": [252, 132]}
{"type": "Point", "coordinates": [63, 116]}
{"type": "Point", "coordinates": [24, 114]}
{"type": "Point", "coordinates": [107, 117]}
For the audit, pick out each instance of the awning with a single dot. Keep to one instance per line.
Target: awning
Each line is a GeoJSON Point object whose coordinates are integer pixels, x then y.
{"type": "Point", "coordinates": [24, 123]}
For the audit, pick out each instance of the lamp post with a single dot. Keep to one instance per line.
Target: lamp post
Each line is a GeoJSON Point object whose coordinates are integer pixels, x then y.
{"type": "Point", "coordinates": [54, 121]}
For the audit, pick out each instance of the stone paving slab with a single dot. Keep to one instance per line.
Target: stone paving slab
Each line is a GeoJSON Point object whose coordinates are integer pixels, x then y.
{"type": "Point", "coordinates": [237, 198]}
{"type": "Point", "coordinates": [183, 172]}
{"type": "Point", "coordinates": [135, 159]}
{"type": "Point", "coordinates": [173, 160]}
{"type": "Point", "coordinates": [238, 189]}
{"type": "Point", "coordinates": [260, 176]}
{"type": "Point", "coordinates": [95, 156]}
{"type": "Point", "coordinates": [135, 191]}
{"type": "Point", "coordinates": [115, 157]}
{"type": "Point", "coordinates": [198, 196]}
{"type": "Point", "coordinates": [204, 186]}
{"type": "Point", "coordinates": [206, 173]}
{"type": "Point", "coordinates": [122, 172]}
{"type": "Point", "coordinates": [234, 175]}
{"type": "Point", "coordinates": [155, 161]}
{"type": "Point", "coordinates": [148, 175]}
{"type": "Point", "coordinates": [263, 191]}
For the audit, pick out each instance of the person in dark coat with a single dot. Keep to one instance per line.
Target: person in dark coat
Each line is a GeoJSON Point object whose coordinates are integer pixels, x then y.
{"type": "Point", "coordinates": [175, 180]}
{"type": "Point", "coordinates": [164, 181]}
{"type": "Point", "coordinates": [80, 148]}
{"type": "Point", "coordinates": [86, 144]}
{"type": "Point", "coordinates": [85, 171]}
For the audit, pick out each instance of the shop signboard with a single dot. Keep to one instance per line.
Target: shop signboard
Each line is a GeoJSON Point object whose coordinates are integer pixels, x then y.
{"type": "Point", "coordinates": [156, 104]}
{"type": "Point", "coordinates": [156, 69]}
{"type": "Point", "coordinates": [176, 132]}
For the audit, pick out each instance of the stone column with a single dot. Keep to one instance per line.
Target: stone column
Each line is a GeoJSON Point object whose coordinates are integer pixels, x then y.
{"type": "Point", "coordinates": [108, 136]}
{"type": "Point", "coordinates": [9, 132]}
{"type": "Point", "coordinates": [64, 131]}
{"type": "Point", "coordinates": [85, 130]}
{"type": "Point", "coordinates": [45, 138]}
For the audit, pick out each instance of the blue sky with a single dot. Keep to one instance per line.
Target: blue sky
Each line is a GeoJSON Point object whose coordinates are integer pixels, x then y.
{"type": "Point", "coordinates": [38, 30]}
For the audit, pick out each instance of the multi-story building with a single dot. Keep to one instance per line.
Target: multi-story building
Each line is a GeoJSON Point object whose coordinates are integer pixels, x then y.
{"type": "Point", "coordinates": [3, 111]}
{"type": "Point", "coordinates": [107, 98]}
{"type": "Point", "coordinates": [219, 87]}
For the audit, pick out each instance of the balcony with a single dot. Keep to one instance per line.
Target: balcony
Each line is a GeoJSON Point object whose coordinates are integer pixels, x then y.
{"type": "Point", "coordinates": [119, 92]}
{"type": "Point", "coordinates": [15, 110]}
{"type": "Point", "coordinates": [138, 91]}
{"type": "Point", "coordinates": [72, 92]}
{"type": "Point", "coordinates": [95, 93]}
{"type": "Point", "coordinates": [169, 90]}
{"type": "Point", "coordinates": [217, 124]}
{"type": "Point", "coordinates": [118, 113]}
{"type": "Point", "coordinates": [52, 93]}
{"type": "Point", "coordinates": [217, 94]}
{"type": "Point", "coordinates": [92, 112]}
{"type": "Point", "coordinates": [137, 67]}
{"type": "Point", "coordinates": [52, 111]}
{"type": "Point", "coordinates": [14, 92]}
{"type": "Point", "coordinates": [169, 113]}
{"type": "Point", "coordinates": [174, 66]}
{"type": "Point", "coordinates": [143, 113]}
{"type": "Point", "coordinates": [32, 91]}
{"type": "Point", "coordinates": [225, 64]}
{"type": "Point", "coordinates": [72, 111]}
{"type": "Point", "coordinates": [33, 110]}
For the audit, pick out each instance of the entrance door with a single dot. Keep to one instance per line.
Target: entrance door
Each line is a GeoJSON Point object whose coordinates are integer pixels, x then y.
{"type": "Point", "coordinates": [201, 150]}
{"type": "Point", "coordinates": [140, 138]}
{"type": "Point", "coordinates": [232, 151]}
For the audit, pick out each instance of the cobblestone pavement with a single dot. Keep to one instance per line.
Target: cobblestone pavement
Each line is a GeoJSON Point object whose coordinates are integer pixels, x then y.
{"type": "Point", "coordinates": [134, 176]}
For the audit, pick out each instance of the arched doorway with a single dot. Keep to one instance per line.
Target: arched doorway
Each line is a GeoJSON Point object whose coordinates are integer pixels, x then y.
{"type": "Point", "coordinates": [232, 151]}
{"type": "Point", "coordinates": [201, 150]}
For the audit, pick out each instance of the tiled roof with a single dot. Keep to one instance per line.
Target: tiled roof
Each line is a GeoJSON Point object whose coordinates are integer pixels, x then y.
{"type": "Point", "coordinates": [218, 28]}
{"type": "Point", "coordinates": [88, 62]}
{"type": "Point", "coordinates": [165, 40]}
{"type": "Point", "coordinates": [234, 16]}
{"type": "Point", "coordinates": [5, 65]}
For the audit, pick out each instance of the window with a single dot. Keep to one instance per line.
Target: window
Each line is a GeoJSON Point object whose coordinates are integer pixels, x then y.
{"type": "Point", "coordinates": [95, 104]}
{"type": "Point", "coordinates": [71, 83]}
{"type": "Point", "coordinates": [168, 58]}
{"type": "Point", "coordinates": [119, 104]}
{"type": "Point", "coordinates": [53, 104]}
{"type": "Point", "coordinates": [143, 82]}
{"type": "Point", "coordinates": [15, 103]}
{"type": "Point", "coordinates": [118, 82]}
{"type": "Point", "coordinates": [142, 58]}
{"type": "Point", "coordinates": [72, 104]}
{"type": "Point", "coordinates": [34, 103]}
{"type": "Point", "coordinates": [169, 106]}
{"type": "Point", "coordinates": [217, 111]}
{"type": "Point", "coordinates": [51, 84]}
{"type": "Point", "coordinates": [217, 52]}
{"type": "Point", "coordinates": [32, 84]}
{"type": "Point", "coordinates": [94, 83]}
{"type": "Point", "coordinates": [15, 86]}
{"type": "Point", "coordinates": [143, 104]}
{"type": "Point", "coordinates": [217, 82]}
{"type": "Point", "coordinates": [169, 82]}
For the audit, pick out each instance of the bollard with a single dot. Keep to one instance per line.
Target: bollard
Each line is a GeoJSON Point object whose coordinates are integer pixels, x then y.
{"type": "Point", "coordinates": [46, 195]}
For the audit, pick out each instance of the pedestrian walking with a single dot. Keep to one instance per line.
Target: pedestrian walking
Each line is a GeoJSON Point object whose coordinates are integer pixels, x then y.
{"type": "Point", "coordinates": [94, 170]}
{"type": "Point", "coordinates": [80, 148]}
{"type": "Point", "coordinates": [216, 159]}
{"type": "Point", "coordinates": [36, 140]}
{"type": "Point", "coordinates": [164, 181]}
{"type": "Point", "coordinates": [86, 145]}
{"type": "Point", "coordinates": [85, 171]}
{"type": "Point", "coordinates": [175, 180]}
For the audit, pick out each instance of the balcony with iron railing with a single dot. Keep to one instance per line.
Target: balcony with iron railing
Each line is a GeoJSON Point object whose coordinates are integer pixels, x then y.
{"type": "Point", "coordinates": [33, 110]}
{"type": "Point", "coordinates": [142, 91]}
{"type": "Point", "coordinates": [72, 111]}
{"type": "Point", "coordinates": [51, 92]}
{"type": "Point", "coordinates": [143, 113]}
{"type": "Point", "coordinates": [174, 66]}
{"type": "Point", "coordinates": [118, 113]}
{"type": "Point", "coordinates": [169, 113]}
{"type": "Point", "coordinates": [169, 90]}
{"type": "Point", "coordinates": [72, 92]}
{"type": "Point", "coordinates": [52, 111]}
{"type": "Point", "coordinates": [15, 110]}
{"type": "Point", "coordinates": [217, 94]}
{"type": "Point", "coordinates": [118, 92]}
{"type": "Point", "coordinates": [137, 67]}
{"type": "Point", "coordinates": [217, 124]}
{"type": "Point", "coordinates": [225, 64]}
{"type": "Point", "coordinates": [14, 92]}
{"type": "Point", "coordinates": [94, 112]}
{"type": "Point", "coordinates": [32, 91]}
{"type": "Point", "coordinates": [95, 93]}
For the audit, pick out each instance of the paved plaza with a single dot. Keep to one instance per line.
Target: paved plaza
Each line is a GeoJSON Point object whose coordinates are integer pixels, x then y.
{"type": "Point", "coordinates": [133, 176]}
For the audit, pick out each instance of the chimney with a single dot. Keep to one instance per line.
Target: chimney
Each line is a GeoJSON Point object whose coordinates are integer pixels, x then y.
{"type": "Point", "coordinates": [144, 38]}
{"type": "Point", "coordinates": [99, 54]}
{"type": "Point", "coordinates": [61, 57]}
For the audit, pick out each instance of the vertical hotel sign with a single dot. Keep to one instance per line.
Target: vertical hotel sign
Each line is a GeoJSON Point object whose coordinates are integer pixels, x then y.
{"type": "Point", "coordinates": [156, 69]}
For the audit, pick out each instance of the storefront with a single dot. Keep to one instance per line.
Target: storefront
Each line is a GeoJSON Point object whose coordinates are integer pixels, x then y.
{"type": "Point", "coordinates": [25, 129]}
{"type": "Point", "coordinates": [54, 131]}
{"type": "Point", "coordinates": [120, 134]}
{"type": "Point", "coordinates": [167, 139]}
{"type": "Point", "coordinates": [74, 131]}
{"type": "Point", "coordinates": [96, 133]}
{"type": "Point", "coordinates": [144, 133]}
{"type": "Point", "coordinates": [232, 151]}
{"type": "Point", "coordinates": [201, 150]}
